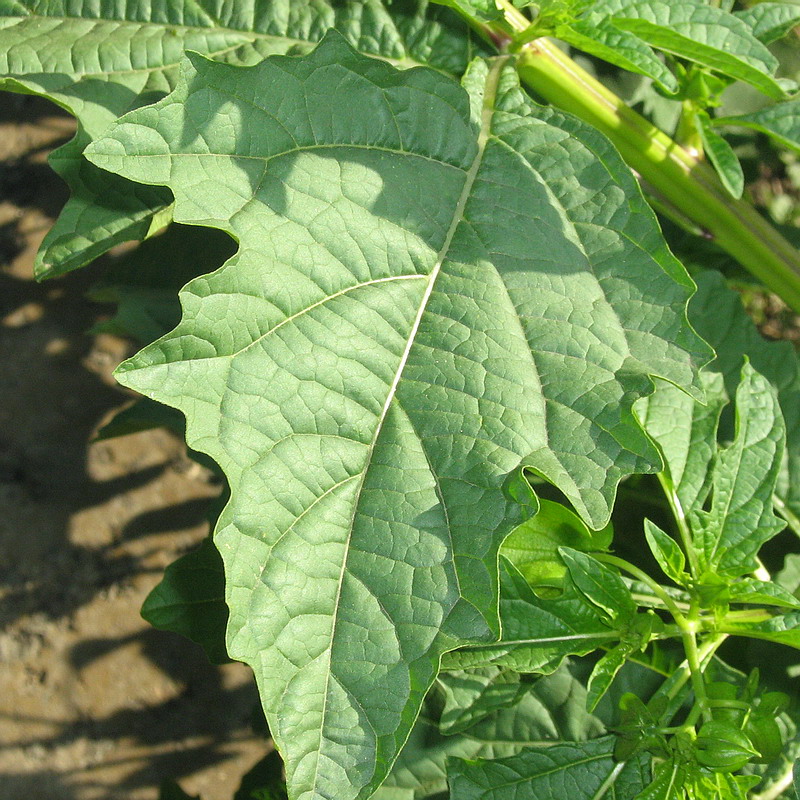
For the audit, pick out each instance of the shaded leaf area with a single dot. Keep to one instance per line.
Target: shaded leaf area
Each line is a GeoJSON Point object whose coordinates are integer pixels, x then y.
{"type": "Point", "coordinates": [724, 492]}
{"type": "Point", "coordinates": [770, 21]}
{"type": "Point", "coordinates": [550, 710]}
{"type": "Point", "coordinates": [685, 430]}
{"type": "Point", "coordinates": [101, 59]}
{"type": "Point", "coordinates": [565, 770]}
{"type": "Point", "coordinates": [740, 518]}
{"type": "Point", "coordinates": [538, 632]}
{"type": "Point", "coordinates": [190, 600]}
{"type": "Point", "coordinates": [144, 284]}
{"type": "Point", "coordinates": [382, 356]}
{"type": "Point", "coordinates": [780, 121]}
{"type": "Point", "coordinates": [533, 547]}
{"type": "Point", "coordinates": [717, 314]}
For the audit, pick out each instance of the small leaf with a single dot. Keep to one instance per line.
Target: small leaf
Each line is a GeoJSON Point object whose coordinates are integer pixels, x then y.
{"type": "Point", "coordinates": [600, 585]}
{"type": "Point", "coordinates": [667, 553]}
{"type": "Point", "coordinates": [667, 783]}
{"type": "Point", "coordinates": [783, 629]}
{"type": "Point", "coordinates": [533, 547]}
{"type": "Point", "coordinates": [754, 592]}
{"type": "Point", "coordinates": [716, 312]}
{"type": "Point", "coordinates": [484, 10]}
{"type": "Point", "coordinates": [190, 600]}
{"type": "Point", "coordinates": [604, 672]}
{"type": "Point", "coordinates": [538, 632]}
{"type": "Point", "coordinates": [685, 431]}
{"type": "Point", "coordinates": [740, 519]}
{"type": "Point", "coordinates": [781, 121]}
{"type": "Point", "coordinates": [598, 36]}
{"type": "Point", "coordinates": [721, 155]}
{"type": "Point", "coordinates": [575, 771]}
{"type": "Point", "coordinates": [769, 22]}
{"type": "Point", "coordinates": [699, 33]}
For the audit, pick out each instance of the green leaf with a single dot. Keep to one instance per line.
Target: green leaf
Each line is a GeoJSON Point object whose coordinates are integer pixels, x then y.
{"type": "Point", "coordinates": [783, 629]}
{"type": "Point", "coordinates": [668, 780]}
{"type": "Point", "coordinates": [740, 518]}
{"type": "Point", "coordinates": [686, 435]}
{"type": "Point", "coordinates": [142, 415]}
{"type": "Point", "coordinates": [780, 121]}
{"type": "Point", "coordinates": [788, 577]}
{"type": "Point", "coordinates": [576, 771]}
{"type": "Point", "coordinates": [484, 10]}
{"type": "Point", "coordinates": [604, 672]}
{"type": "Point", "coordinates": [600, 585]}
{"type": "Point", "coordinates": [552, 709]}
{"type": "Point", "coordinates": [190, 600]}
{"type": "Point", "coordinates": [538, 632]}
{"type": "Point", "coordinates": [717, 314]}
{"type": "Point", "coordinates": [599, 37]}
{"type": "Point", "coordinates": [769, 22]}
{"type": "Point", "coordinates": [533, 547]}
{"type": "Point", "coordinates": [755, 592]}
{"type": "Point", "coordinates": [721, 155]}
{"type": "Point", "coordinates": [700, 33]}
{"type": "Point", "coordinates": [99, 60]}
{"type": "Point", "coordinates": [264, 781]}
{"type": "Point", "coordinates": [170, 790]}
{"type": "Point", "coordinates": [381, 355]}
{"type": "Point", "coordinates": [472, 695]}
{"type": "Point", "coordinates": [667, 553]}
{"type": "Point", "coordinates": [146, 293]}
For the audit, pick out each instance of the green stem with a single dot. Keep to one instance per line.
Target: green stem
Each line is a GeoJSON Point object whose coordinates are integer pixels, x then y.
{"type": "Point", "coordinates": [673, 685]}
{"type": "Point", "coordinates": [677, 176]}
{"type": "Point", "coordinates": [689, 638]}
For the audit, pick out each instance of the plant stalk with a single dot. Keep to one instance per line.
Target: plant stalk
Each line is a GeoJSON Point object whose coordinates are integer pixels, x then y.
{"type": "Point", "coordinates": [679, 178]}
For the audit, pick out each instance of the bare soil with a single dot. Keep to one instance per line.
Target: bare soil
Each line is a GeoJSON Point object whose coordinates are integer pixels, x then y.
{"type": "Point", "coordinates": [93, 702]}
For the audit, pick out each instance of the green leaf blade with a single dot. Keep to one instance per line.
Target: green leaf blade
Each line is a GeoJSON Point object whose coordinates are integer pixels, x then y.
{"type": "Point", "coordinates": [699, 33]}
{"type": "Point", "coordinates": [600, 585]}
{"type": "Point", "coordinates": [100, 61]}
{"type": "Point", "coordinates": [667, 553]}
{"type": "Point", "coordinates": [769, 22]}
{"type": "Point", "coordinates": [721, 155]}
{"type": "Point", "coordinates": [568, 770]}
{"type": "Point", "coordinates": [348, 367]}
{"type": "Point", "coordinates": [741, 518]}
{"type": "Point", "coordinates": [601, 38]}
{"type": "Point", "coordinates": [780, 121]}
{"type": "Point", "coordinates": [538, 632]}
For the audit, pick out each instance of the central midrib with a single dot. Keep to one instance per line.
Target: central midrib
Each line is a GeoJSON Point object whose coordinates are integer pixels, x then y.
{"type": "Point", "coordinates": [491, 85]}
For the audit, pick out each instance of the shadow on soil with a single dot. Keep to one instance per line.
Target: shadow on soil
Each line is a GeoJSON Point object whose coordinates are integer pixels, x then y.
{"type": "Point", "coordinates": [54, 392]}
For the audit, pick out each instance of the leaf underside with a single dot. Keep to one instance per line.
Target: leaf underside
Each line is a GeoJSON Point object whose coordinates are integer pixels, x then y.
{"type": "Point", "coordinates": [101, 59]}
{"type": "Point", "coordinates": [416, 310]}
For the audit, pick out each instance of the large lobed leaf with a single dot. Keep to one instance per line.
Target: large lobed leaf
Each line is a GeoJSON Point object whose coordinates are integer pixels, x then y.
{"type": "Point", "coordinates": [101, 58]}
{"type": "Point", "coordinates": [427, 296]}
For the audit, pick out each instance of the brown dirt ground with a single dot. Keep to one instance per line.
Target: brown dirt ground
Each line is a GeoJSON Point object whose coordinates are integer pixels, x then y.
{"type": "Point", "coordinates": [93, 702]}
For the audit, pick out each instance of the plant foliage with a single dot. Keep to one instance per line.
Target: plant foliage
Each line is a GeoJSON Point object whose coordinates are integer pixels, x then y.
{"type": "Point", "coordinates": [430, 330]}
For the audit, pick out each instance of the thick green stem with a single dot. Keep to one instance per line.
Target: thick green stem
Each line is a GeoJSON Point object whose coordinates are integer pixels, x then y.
{"type": "Point", "coordinates": [675, 175]}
